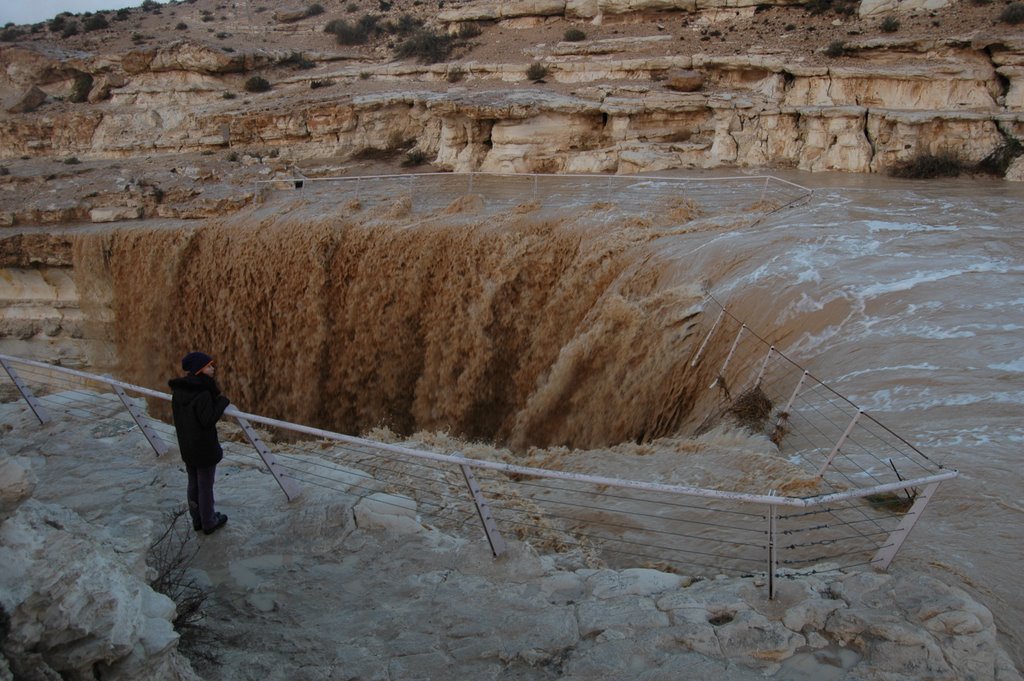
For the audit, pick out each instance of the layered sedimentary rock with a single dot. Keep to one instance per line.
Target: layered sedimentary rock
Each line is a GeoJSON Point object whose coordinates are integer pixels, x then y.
{"type": "Point", "coordinates": [896, 100]}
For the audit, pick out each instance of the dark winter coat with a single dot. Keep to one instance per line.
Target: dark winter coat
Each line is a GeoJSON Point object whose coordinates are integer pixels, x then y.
{"type": "Point", "coordinates": [197, 405]}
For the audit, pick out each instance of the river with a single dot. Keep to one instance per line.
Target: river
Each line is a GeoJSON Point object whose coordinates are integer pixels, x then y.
{"type": "Point", "coordinates": [908, 298]}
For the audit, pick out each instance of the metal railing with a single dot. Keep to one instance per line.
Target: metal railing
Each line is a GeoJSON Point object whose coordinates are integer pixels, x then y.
{"type": "Point", "coordinates": [718, 198]}
{"type": "Point", "coordinates": [606, 520]}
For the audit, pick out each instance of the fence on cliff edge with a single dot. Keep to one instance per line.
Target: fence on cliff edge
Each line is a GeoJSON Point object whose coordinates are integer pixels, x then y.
{"type": "Point", "coordinates": [873, 485]}
{"type": "Point", "coordinates": [748, 197]}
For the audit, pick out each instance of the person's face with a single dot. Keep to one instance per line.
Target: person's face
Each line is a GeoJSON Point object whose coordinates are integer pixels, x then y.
{"type": "Point", "coordinates": [208, 370]}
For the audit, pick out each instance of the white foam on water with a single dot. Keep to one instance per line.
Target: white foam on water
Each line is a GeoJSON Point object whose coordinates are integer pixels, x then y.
{"type": "Point", "coordinates": [913, 398]}
{"type": "Point", "coordinates": [1016, 366]}
{"type": "Point", "coordinates": [882, 226]}
{"type": "Point", "coordinates": [901, 368]}
{"type": "Point", "coordinates": [919, 277]}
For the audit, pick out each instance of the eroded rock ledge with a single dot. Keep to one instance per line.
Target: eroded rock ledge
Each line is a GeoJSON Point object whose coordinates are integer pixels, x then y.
{"type": "Point", "coordinates": [600, 112]}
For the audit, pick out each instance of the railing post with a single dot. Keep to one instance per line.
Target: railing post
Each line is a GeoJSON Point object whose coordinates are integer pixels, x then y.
{"type": "Point", "coordinates": [155, 442]}
{"type": "Point", "coordinates": [772, 546]}
{"type": "Point", "coordinates": [728, 358]}
{"type": "Point", "coordinates": [840, 442]}
{"type": "Point", "coordinates": [896, 538]}
{"type": "Point", "coordinates": [764, 367]}
{"type": "Point", "coordinates": [483, 509]}
{"type": "Point", "coordinates": [288, 485]}
{"type": "Point", "coordinates": [700, 351]}
{"type": "Point", "coordinates": [792, 398]}
{"type": "Point", "coordinates": [34, 404]}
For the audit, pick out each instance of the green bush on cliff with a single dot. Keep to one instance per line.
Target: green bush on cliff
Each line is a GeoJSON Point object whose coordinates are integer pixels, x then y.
{"type": "Point", "coordinates": [359, 33]}
{"type": "Point", "coordinates": [889, 25]}
{"type": "Point", "coordinates": [574, 35]}
{"type": "Point", "coordinates": [999, 161]}
{"type": "Point", "coordinates": [95, 23]}
{"type": "Point", "coordinates": [836, 48]}
{"type": "Point", "coordinates": [536, 72]}
{"type": "Point", "coordinates": [1013, 14]}
{"type": "Point", "coordinates": [929, 166]}
{"type": "Point", "coordinates": [257, 84]}
{"type": "Point", "coordinates": [426, 46]}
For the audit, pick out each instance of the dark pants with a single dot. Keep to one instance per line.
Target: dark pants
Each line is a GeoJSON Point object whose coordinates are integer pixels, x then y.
{"type": "Point", "coordinates": [200, 495]}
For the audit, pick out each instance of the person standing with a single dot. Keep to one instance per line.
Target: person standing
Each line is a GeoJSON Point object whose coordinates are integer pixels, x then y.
{"type": "Point", "coordinates": [197, 404]}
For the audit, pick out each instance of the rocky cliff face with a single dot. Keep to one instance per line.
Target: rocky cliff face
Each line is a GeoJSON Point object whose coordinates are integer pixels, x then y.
{"type": "Point", "coordinates": [73, 598]}
{"type": "Point", "coordinates": [614, 104]}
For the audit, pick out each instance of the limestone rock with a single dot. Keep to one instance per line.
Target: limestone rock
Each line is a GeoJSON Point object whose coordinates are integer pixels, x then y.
{"type": "Point", "coordinates": [115, 213]}
{"type": "Point", "coordinates": [684, 80]}
{"type": "Point", "coordinates": [870, 8]}
{"type": "Point", "coordinates": [387, 511]}
{"type": "Point", "coordinates": [77, 608]}
{"type": "Point", "coordinates": [186, 56]}
{"type": "Point", "coordinates": [16, 483]}
{"type": "Point", "coordinates": [289, 15]}
{"type": "Point", "coordinates": [29, 101]}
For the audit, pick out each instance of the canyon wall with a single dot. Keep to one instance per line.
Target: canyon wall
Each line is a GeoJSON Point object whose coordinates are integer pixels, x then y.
{"type": "Point", "coordinates": [888, 101]}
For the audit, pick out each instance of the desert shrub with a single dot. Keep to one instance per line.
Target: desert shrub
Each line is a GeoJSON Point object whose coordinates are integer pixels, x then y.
{"type": "Point", "coordinates": [998, 162]}
{"type": "Point", "coordinates": [229, 95]}
{"type": "Point", "coordinates": [95, 23]}
{"type": "Point", "coordinates": [836, 48]}
{"type": "Point", "coordinates": [536, 72]}
{"type": "Point", "coordinates": [257, 84]}
{"type": "Point", "coordinates": [57, 23]}
{"type": "Point", "coordinates": [314, 10]}
{"type": "Point", "coordinates": [171, 557]}
{"type": "Point", "coordinates": [416, 157]}
{"type": "Point", "coordinates": [1013, 14]}
{"type": "Point", "coordinates": [296, 60]}
{"type": "Point", "coordinates": [352, 8]}
{"type": "Point", "coordinates": [467, 31]}
{"type": "Point", "coordinates": [149, 5]}
{"type": "Point", "coordinates": [319, 83]}
{"type": "Point", "coordinates": [122, 14]}
{"type": "Point", "coordinates": [365, 75]}
{"type": "Point", "coordinates": [928, 166]}
{"type": "Point", "coordinates": [845, 7]}
{"type": "Point", "coordinates": [70, 29]}
{"type": "Point", "coordinates": [232, 157]}
{"type": "Point", "coordinates": [181, 26]}
{"type": "Point", "coordinates": [384, 6]}
{"type": "Point", "coordinates": [889, 25]}
{"type": "Point", "coordinates": [80, 89]}
{"type": "Point", "coordinates": [207, 17]}
{"type": "Point", "coordinates": [222, 35]}
{"type": "Point", "coordinates": [353, 34]}
{"type": "Point", "coordinates": [405, 25]}
{"type": "Point", "coordinates": [455, 74]}
{"type": "Point", "coordinates": [426, 46]}
{"type": "Point", "coordinates": [4, 171]}
{"type": "Point", "coordinates": [574, 35]}
{"type": "Point", "coordinates": [71, 161]}
{"type": "Point", "coordinates": [9, 35]}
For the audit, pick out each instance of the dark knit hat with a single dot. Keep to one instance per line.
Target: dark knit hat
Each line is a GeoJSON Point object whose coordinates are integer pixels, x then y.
{"type": "Point", "coordinates": [194, 362]}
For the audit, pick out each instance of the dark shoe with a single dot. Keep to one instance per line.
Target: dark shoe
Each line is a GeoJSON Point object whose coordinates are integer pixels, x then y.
{"type": "Point", "coordinates": [196, 525]}
{"type": "Point", "coordinates": [221, 520]}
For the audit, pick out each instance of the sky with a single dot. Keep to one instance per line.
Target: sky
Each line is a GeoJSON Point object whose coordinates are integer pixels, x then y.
{"type": "Point", "coordinates": [34, 11]}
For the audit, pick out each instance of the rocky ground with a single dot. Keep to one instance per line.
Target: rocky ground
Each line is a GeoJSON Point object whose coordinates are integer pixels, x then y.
{"type": "Point", "coordinates": [799, 31]}
{"type": "Point", "coordinates": [346, 585]}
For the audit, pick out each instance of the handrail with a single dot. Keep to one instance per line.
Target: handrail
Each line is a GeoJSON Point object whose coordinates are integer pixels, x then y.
{"type": "Point", "coordinates": [513, 469]}
{"type": "Point", "coordinates": [594, 176]}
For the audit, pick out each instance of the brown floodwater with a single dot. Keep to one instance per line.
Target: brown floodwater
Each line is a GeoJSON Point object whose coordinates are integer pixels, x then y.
{"type": "Point", "coordinates": [567, 319]}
